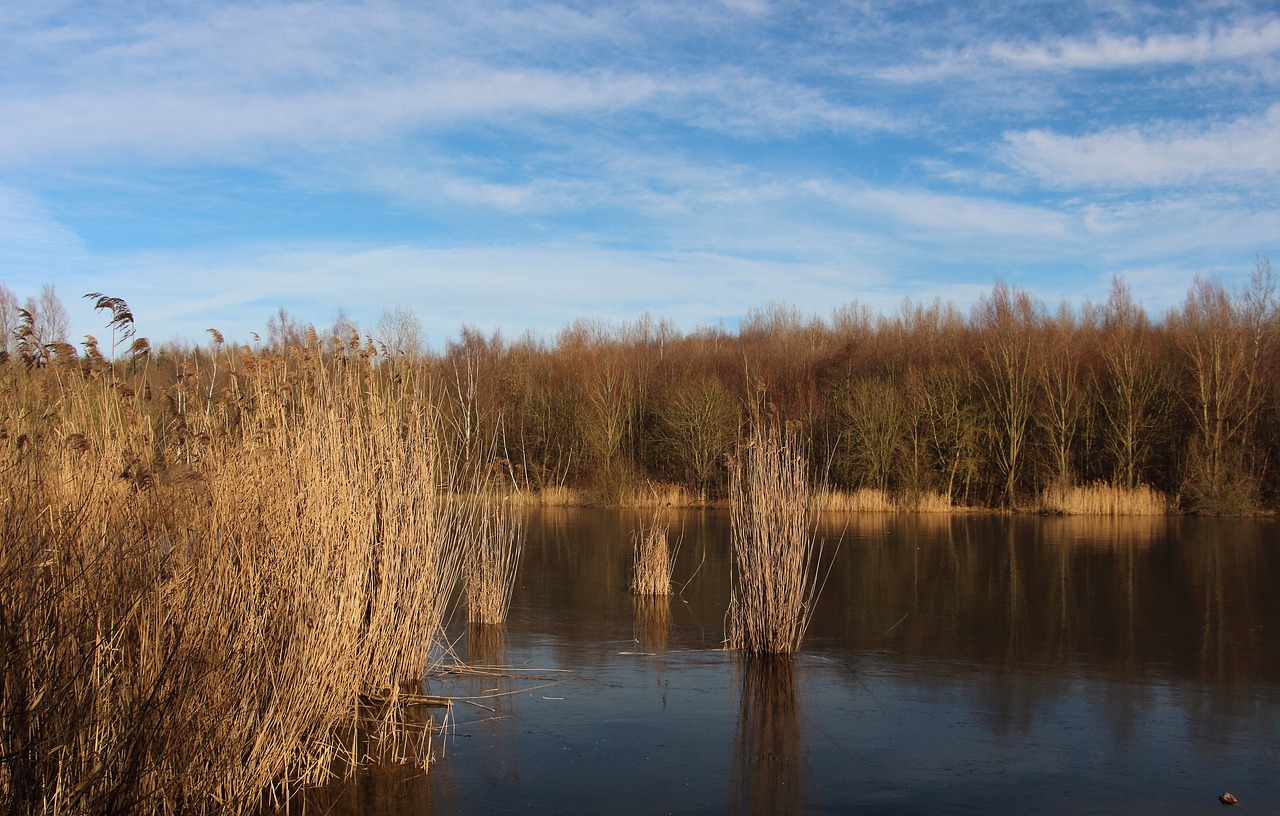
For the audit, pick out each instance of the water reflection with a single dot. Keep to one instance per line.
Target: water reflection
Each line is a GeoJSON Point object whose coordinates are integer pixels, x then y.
{"type": "Point", "coordinates": [652, 622]}
{"type": "Point", "coordinates": [768, 751]}
{"type": "Point", "coordinates": [485, 644]}
{"type": "Point", "coordinates": [986, 664]}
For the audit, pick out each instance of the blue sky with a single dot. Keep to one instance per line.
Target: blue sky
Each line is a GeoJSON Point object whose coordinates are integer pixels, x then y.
{"type": "Point", "coordinates": [517, 165]}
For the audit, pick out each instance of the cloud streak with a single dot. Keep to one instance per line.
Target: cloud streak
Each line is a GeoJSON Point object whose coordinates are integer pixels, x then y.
{"type": "Point", "coordinates": [1247, 40]}
{"type": "Point", "coordinates": [1244, 152]}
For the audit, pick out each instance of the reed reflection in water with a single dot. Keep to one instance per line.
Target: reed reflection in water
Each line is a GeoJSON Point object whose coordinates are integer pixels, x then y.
{"type": "Point", "coordinates": [485, 645]}
{"type": "Point", "coordinates": [768, 751]}
{"type": "Point", "coordinates": [652, 622]}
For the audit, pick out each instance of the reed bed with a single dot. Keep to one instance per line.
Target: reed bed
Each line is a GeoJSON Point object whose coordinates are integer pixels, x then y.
{"type": "Point", "coordinates": [491, 563]}
{"type": "Point", "coordinates": [653, 558]}
{"type": "Point", "coordinates": [1102, 499]}
{"type": "Point", "coordinates": [864, 500]}
{"type": "Point", "coordinates": [775, 553]}
{"type": "Point", "coordinates": [871, 500]}
{"type": "Point", "coordinates": [658, 494]}
{"type": "Point", "coordinates": [208, 601]}
{"type": "Point", "coordinates": [557, 496]}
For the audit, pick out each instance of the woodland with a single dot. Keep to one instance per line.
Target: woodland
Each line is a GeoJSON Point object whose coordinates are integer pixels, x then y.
{"type": "Point", "coordinates": [1014, 405]}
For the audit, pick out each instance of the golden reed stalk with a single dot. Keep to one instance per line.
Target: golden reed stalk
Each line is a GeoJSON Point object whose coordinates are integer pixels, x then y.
{"type": "Point", "coordinates": [775, 554]}
{"type": "Point", "coordinates": [208, 597]}
{"type": "Point", "coordinates": [653, 558]}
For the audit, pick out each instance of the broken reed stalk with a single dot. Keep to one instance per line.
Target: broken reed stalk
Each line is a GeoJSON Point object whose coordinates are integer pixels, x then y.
{"type": "Point", "coordinates": [491, 562]}
{"type": "Point", "coordinates": [653, 558]}
{"type": "Point", "coordinates": [196, 596]}
{"type": "Point", "coordinates": [775, 554]}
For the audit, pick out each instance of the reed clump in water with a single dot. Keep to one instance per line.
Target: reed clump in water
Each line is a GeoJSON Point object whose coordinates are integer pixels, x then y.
{"type": "Point", "coordinates": [775, 554]}
{"type": "Point", "coordinates": [205, 601]}
{"type": "Point", "coordinates": [653, 558]}
{"type": "Point", "coordinates": [491, 561]}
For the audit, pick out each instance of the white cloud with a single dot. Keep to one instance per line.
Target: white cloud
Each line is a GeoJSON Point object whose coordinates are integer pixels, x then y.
{"type": "Point", "coordinates": [1241, 41]}
{"type": "Point", "coordinates": [1242, 152]}
{"type": "Point", "coordinates": [934, 214]}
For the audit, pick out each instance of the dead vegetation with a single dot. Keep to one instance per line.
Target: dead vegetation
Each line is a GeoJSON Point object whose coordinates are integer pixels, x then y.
{"type": "Point", "coordinates": [491, 562]}
{"type": "Point", "coordinates": [1105, 500]}
{"type": "Point", "coordinates": [775, 553]}
{"type": "Point", "coordinates": [212, 597]}
{"type": "Point", "coordinates": [653, 558]}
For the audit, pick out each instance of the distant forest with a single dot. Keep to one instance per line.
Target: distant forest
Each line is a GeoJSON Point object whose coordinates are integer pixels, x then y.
{"type": "Point", "coordinates": [990, 408]}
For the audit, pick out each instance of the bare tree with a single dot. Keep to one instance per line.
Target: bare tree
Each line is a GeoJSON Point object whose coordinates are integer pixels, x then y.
{"type": "Point", "coordinates": [1132, 405]}
{"type": "Point", "coordinates": [698, 425]}
{"type": "Point", "coordinates": [8, 318]}
{"type": "Point", "coordinates": [870, 416]}
{"type": "Point", "coordinates": [1007, 321]}
{"type": "Point", "coordinates": [400, 330]}
{"type": "Point", "coordinates": [53, 316]}
{"type": "Point", "coordinates": [1064, 389]}
{"type": "Point", "coordinates": [283, 331]}
{"type": "Point", "coordinates": [1224, 342]}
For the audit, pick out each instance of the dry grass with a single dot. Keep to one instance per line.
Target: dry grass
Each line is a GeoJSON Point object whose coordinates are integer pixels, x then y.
{"type": "Point", "coordinates": [659, 494]}
{"type": "Point", "coordinates": [491, 562]}
{"type": "Point", "coordinates": [869, 500]}
{"type": "Point", "coordinates": [775, 554]}
{"type": "Point", "coordinates": [1105, 500]}
{"type": "Point", "coordinates": [558, 496]}
{"type": "Point", "coordinates": [864, 500]}
{"type": "Point", "coordinates": [653, 558]}
{"type": "Point", "coordinates": [208, 600]}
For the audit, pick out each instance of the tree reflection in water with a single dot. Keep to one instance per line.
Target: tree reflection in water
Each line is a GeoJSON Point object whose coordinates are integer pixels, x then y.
{"type": "Point", "coordinates": [768, 752]}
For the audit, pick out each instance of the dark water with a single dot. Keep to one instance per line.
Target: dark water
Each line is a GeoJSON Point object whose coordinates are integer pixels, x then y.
{"type": "Point", "coordinates": [954, 665]}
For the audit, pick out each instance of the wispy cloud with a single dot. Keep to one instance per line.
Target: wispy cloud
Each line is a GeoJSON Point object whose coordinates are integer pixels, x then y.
{"type": "Point", "coordinates": [1245, 152]}
{"type": "Point", "coordinates": [1252, 38]}
{"type": "Point", "coordinates": [516, 164]}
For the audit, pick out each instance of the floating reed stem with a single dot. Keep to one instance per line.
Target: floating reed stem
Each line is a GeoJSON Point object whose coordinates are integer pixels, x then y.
{"type": "Point", "coordinates": [653, 558]}
{"type": "Point", "coordinates": [775, 555]}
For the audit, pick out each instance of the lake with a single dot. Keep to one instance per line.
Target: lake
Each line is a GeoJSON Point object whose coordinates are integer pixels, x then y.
{"type": "Point", "coordinates": [954, 664]}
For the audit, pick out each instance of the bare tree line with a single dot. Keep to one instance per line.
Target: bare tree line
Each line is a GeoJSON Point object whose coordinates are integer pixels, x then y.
{"type": "Point", "coordinates": [988, 408]}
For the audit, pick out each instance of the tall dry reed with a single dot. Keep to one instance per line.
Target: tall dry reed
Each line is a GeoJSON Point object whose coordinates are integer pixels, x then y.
{"type": "Point", "coordinates": [491, 562]}
{"type": "Point", "coordinates": [775, 553]}
{"type": "Point", "coordinates": [207, 598]}
{"type": "Point", "coordinates": [652, 558]}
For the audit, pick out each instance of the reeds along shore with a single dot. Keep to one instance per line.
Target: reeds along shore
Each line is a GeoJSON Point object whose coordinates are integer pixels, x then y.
{"type": "Point", "coordinates": [212, 595]}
